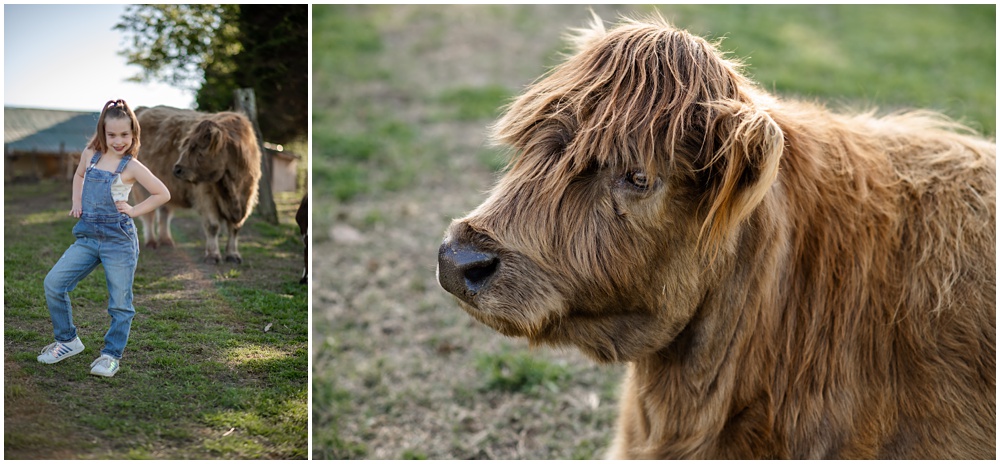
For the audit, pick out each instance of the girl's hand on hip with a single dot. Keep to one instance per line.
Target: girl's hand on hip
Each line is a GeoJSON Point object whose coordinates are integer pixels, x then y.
{"type": "Point", "coordinates": [124, 207]}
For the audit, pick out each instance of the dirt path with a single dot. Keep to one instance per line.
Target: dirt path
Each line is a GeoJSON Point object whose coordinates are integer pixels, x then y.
{"type": "Point", "coordinates": [183, 263]}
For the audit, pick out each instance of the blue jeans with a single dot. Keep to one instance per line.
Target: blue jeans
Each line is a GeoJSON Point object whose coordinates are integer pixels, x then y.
{"type": "Point", "coordinates": [115, 245]}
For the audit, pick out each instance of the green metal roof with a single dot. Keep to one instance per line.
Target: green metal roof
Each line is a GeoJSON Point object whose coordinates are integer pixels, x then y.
{"type": "Point", "coordinates": [47, 131]}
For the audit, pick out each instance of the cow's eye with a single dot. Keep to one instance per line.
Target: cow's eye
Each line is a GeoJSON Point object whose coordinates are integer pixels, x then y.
{"type": "Point", "coordinates": [638, 180]}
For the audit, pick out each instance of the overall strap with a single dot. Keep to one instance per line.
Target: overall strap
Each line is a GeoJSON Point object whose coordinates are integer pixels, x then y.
{"type": "Point", "coordinates": [121, 165]}
{"type": "Point", "coordinates": [93, 161]}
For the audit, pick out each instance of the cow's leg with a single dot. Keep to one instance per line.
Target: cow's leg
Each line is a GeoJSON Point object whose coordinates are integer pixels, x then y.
{"type": "Point", "coordinates": [211, 225]}
{"type": "Point", "coordinates": [148, 225]}
{"type": "Point", "coordinates": [302, 219]}
{"type": "Point", "coordinates": [305, 259]}
{"type": "Point", "coordinates": [148, 220]}
{"type": "Point", "coordinates": [232, 245]}
{"type": "Point", "coordinates": [165, 214]}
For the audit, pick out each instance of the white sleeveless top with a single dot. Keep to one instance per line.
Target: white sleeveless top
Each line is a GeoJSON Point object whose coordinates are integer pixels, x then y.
{"type": "Point", "coordinates": [119, 189]}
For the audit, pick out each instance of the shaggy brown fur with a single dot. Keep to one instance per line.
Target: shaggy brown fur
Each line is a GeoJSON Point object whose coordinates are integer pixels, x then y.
{"type": "Point", "coordinates": [209, 162]}
{"type": "Point", "coordinates": [784, 281]}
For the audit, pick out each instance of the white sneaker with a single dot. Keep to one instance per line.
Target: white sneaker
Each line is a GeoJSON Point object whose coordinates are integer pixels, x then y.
{"type": "Point", "coordinates": [105, 366]}
{"type": "Point", "coordinates": [58, 351]}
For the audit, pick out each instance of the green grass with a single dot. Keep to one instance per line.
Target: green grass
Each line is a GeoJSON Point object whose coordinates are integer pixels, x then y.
{"type": "Point", "coordinates": [941, 57]}
{"type": "Point", "coordinates": [414, 455]}
{"type": "Point", "coordinates": [327, 442]}
{"type": "Point", "coordinates": [519, 372]}
{"type": "Point", "coordinates": [344, 154]}
{"type": "Point", "coordinates": [468, 103]}
{"type": "Point", "coordinates": [348, 165]}
{"type": "Point", "coordinates": [363, 147]}
{"type": "Point", "coordinates": [198, 363]}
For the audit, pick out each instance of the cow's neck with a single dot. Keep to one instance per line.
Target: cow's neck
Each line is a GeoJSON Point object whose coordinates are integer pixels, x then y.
{"type": "Point", "coordinates": [718, 370]}
{"type": "Point", "coordinates": [231, 197]}
{"type": "Point", "coordinates": [722, 369]}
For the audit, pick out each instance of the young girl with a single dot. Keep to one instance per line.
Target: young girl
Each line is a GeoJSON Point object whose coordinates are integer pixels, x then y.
{"type": "Point", "coordinates": [104, 235]}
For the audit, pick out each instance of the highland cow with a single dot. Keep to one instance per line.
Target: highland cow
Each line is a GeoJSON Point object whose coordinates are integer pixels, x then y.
{"type": "Point", "coordinates": [209, 162]}
{"type": "Point", "coordinates": [783, 281]}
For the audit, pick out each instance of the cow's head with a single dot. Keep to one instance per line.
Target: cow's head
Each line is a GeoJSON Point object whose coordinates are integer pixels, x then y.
{"type": "Point", "coordinates": [639, 159]}
{"type": "Point", "coordinates": [204, 153]}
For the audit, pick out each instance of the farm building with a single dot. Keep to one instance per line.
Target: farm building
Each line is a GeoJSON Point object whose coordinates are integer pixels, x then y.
{"type": "Point", "coordinates": [46, 144]}
{"type": "Point", "coordinates": [284, 168]}
{"type": "Point", "coordinates": [40, 143]}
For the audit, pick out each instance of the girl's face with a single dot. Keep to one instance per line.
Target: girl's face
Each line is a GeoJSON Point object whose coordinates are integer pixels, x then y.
{"type": "Point", "coordinates": [118, 133]}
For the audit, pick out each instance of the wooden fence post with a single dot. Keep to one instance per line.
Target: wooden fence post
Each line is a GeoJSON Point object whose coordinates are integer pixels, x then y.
{"type": "Point", "coordinates": [246, 102]}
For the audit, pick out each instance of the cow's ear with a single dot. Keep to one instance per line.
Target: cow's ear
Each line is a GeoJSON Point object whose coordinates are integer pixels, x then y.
{"type": "Point", "coordinates": [215, 135]}
{"type": "Point", "coordinates": [746, 151]}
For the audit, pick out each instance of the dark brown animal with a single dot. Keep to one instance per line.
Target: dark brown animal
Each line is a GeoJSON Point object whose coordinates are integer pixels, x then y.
{"type": "Point", "coordinates": [302, 219]}
{"type": "Point", "coordinates": [783, 281]}
{"type": "Point", "coordinates": [209, 162]}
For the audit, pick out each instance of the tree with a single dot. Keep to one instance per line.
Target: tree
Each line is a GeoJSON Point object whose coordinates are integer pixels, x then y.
{"type": "Point", "coordinates": [274, 61]}
{"type": "Point", "coordinates": [246, 103]}
{"type": "Point", "coordinates": [179, 44]}
{"type": "Point", "coordinates": [278, 68]}
{"type": "Point", "coordinates": [217, 49]}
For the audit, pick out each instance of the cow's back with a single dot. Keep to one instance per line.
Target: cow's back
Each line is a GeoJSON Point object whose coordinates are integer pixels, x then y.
{"type": "Point", "coordinates": [948, 255]}
{"type": "Point", "coordinates": [162, 130]}
{"type": "Point", "coordinates": [894, 260]}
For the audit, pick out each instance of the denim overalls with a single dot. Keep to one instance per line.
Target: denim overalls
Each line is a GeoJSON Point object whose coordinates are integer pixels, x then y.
{"type": "Point", "coordinates": [103, 236]}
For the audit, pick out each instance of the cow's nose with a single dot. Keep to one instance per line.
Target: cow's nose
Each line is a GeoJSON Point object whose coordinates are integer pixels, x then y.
{"type": "Point", "coordinates": [464, 270]}
{"type": "Point", "coordinates": [178, 171]}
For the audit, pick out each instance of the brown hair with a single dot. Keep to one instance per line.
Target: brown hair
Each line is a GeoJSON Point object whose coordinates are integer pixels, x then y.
{"type": "Point", "coordinates": [692, 102]}
{"type": "Point", "coordinates": [116, 109]}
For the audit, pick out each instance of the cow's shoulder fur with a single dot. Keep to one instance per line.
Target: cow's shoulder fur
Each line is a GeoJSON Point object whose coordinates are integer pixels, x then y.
{"type": "Point", "coordinates": [854, 313]}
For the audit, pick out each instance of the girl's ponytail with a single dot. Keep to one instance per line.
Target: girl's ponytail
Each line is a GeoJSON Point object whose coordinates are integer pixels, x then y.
{"type": "Point", "coordinates": [116, 109]}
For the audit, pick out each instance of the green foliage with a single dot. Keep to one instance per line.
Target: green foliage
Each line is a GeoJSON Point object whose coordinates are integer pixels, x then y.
{"type": "Point", "coordinates": [361, 146]}
{"type": "Point", "coordinates": [343, 155]}
{"type": "Point", "coordinates": [347, 147]}
{"type": "Point", "coordinates": [274, 61]}
{"type": "Point", "coordinates": [176, 44]}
